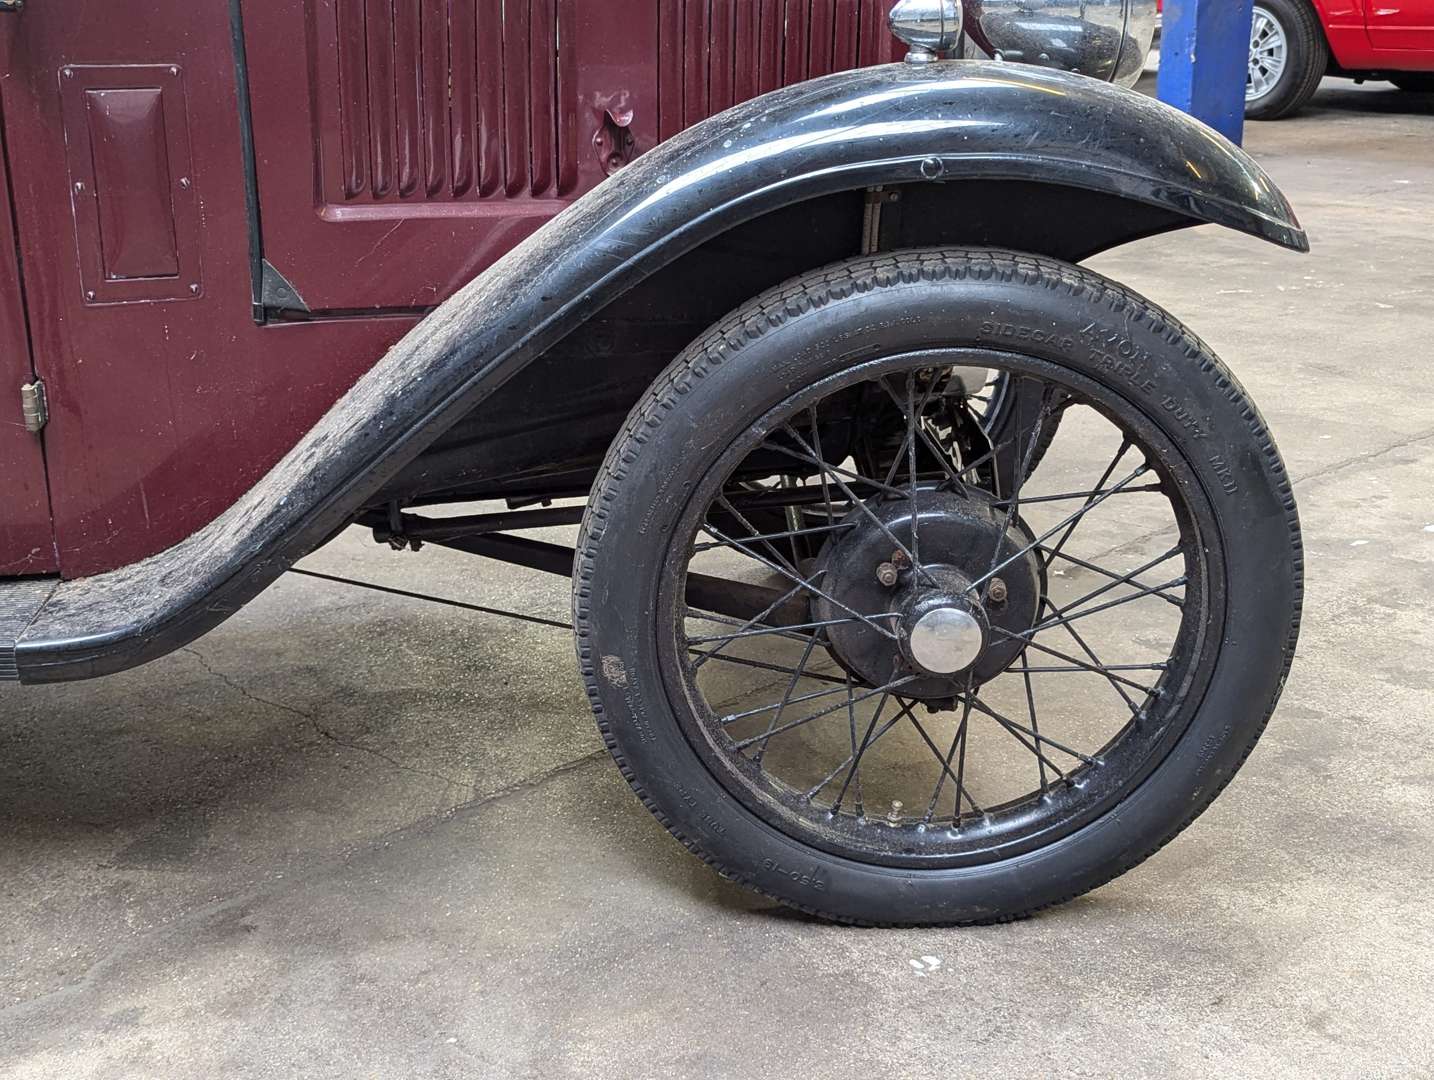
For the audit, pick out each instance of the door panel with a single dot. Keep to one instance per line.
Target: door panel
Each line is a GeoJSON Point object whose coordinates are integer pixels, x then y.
{"type": "Point", "coordinates": [26, 543]}
{"type": "Point", "coordinates": [1404, 24]}
{"type": "Point", "coordinates": [166, 402]}
{"type": "Point", "coordinates": [403, 145]}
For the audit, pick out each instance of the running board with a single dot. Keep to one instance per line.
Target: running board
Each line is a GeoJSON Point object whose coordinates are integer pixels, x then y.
{"type": "Point", "coordinates": [20, 601]}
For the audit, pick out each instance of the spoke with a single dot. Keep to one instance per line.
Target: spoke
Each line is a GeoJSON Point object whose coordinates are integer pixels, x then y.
{"type": "Point", "coordinates": [1035, 727]}
{"type": "Point", "coordinates": [1072, 660]}
{"type": "Point", "coordinates": [959, 739]}
{"type": "Point", "coordinates": [723, 502]}
{"type": "Point", "coordinates": [1079, 495]}
{"type": "Point", "coordinates": [1073, 518]}
{"type": "Point", "coordinates": [1065, 619]}
{"type": "Point", "coordinates": [1125, 444]}
{"type": "Point", "coordinates": [767, 630]}
{"type": "Point", "coordinates": [1051, 554]}
{"type": "Point", "coordinates": [811, 530]}
{"type": "Point", "coordinates": [851, 757]}
{"type": "Point", "coordinates": [805, 583]}
{"type": "Point", "coordinates": [866, 741]}
{"type": "Point", "coordinates": [1125, 579]}
{"type": "Point", "coordinates": [989, 455]}
{"type": "Point", "coordinates": [814, 716]}
{"type": "Point", "coordinates": [860, 505]}
{"type": "Point", "coordinates": [755, 620]}
{"type": "Point", "coordinates": [851, 724]}
{"type": "Point", "coordinates": [817, 446]}
{"type": "Point", "coordinates": [786, 697]}
{"type": "Point", "coordinates": [816, 676]}
{"type": "Point", "coordinates": [1108, 667]}
{"type": "Point", "coordinates": [1019, 730]}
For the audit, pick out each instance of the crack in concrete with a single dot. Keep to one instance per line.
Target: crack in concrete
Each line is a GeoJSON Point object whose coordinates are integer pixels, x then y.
{"type": "Point", "coordinates": [531, 783]}
{"type": "Point", "coordinates": [319, 729]}
{"type": "Point", "coordinates": [1369, 455]}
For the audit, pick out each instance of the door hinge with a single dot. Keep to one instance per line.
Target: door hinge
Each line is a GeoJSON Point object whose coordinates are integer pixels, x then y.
{"type": "Point", "coordinates": [33, 405]}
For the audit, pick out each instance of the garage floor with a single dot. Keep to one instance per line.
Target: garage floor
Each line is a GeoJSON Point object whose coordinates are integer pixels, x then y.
{"type": "Point", "coordinates": [350, 834]}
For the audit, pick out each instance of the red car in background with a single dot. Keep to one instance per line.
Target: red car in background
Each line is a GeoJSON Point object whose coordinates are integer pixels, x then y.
{"type": "Point", "coordinates": [1295, 43]}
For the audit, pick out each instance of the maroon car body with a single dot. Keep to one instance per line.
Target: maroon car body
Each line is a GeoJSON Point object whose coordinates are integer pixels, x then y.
{"type": "Point", "coordinates": [381, 188]}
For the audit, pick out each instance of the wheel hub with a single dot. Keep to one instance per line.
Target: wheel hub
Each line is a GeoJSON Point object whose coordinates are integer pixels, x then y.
{"type": "Point", "coordinates": [945, 640]}
{"type": "Point", "coordinates": [942, 621]}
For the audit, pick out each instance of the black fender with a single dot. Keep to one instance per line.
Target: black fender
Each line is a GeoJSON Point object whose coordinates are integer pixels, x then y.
{"type": "Point", "coordinates": [897, 124]}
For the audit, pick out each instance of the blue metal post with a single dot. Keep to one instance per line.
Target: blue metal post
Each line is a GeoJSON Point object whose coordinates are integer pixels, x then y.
{"type": "Point", "coordinates": [1204, 52]}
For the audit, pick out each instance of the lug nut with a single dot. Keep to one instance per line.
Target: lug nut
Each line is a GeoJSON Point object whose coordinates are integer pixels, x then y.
{"type": "Point", "coordinates": [996, 591]}
{"type": "Point", "coordinates": [887, 574]}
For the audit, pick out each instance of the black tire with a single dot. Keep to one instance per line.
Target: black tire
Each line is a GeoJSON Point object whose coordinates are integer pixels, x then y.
{"type": "Point", "coordinates": [815, 328]}
{"type": "Point", "coordinates": [1305, 65]}
{"type": "Point", "coordinates": [1415, 82]}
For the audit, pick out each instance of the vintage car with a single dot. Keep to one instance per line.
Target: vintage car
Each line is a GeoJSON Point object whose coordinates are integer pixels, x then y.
{"type": "Point", "coordinates": [1295, 43]}
{"type": "Point", "coordinates": [920, 573]}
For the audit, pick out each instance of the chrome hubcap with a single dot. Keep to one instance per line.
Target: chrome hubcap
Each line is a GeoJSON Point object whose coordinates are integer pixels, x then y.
{"type": "Point", "coordinates": [946, 640]}
{"type": "Point", "coordinates": [1269, 50]}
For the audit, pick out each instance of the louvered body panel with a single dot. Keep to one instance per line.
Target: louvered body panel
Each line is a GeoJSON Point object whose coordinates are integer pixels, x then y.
{"type": "Point", "coordinates": [715, 53]}
{"type": "Point", "coordinates": [446, 100]}
{"type": "Point", "coordinates": [402, 146]}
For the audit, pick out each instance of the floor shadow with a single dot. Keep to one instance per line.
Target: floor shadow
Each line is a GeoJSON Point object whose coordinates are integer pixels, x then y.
{"type": "Point", "coordinates": [1344, 96]}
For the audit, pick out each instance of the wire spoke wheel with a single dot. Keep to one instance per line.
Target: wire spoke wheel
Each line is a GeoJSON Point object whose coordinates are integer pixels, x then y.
{"type": "Point", "coordinates": [898, 625]}
{"type": "Point", "coordinates": [950, 671]}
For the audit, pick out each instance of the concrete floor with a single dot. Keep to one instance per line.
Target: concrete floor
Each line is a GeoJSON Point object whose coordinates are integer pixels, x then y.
{"type": "Point", "coordinates": [349, 834]}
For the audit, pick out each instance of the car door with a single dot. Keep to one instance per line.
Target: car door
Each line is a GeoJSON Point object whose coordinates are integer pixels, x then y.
{"type": "Point", "coordinates": [1404, 25]}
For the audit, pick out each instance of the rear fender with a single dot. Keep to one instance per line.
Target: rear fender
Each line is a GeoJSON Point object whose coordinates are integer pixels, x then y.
{"type": "Point", "coordinates": [899, 124]}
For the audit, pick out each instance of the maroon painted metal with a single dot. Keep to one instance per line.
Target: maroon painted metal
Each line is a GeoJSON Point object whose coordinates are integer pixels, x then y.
{"type": "Point", "coordinates": [26, 545]}
{"type": "Point", "coordinates": [162, 410]}
{"type": "Point", "coordinates": [400, 148]}
{"type": "Point", "coordinates": [134, 203]}
{"type": "Point", "coordinates": [496, 107]}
